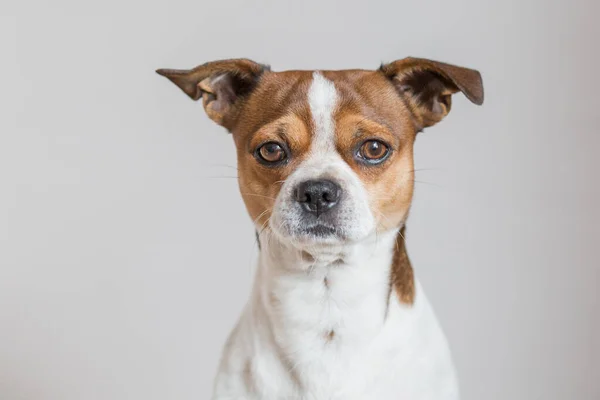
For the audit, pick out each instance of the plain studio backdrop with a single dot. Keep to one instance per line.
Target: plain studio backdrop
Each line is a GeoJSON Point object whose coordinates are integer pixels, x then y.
{"type": "Point", "coordinates": [126, 254]}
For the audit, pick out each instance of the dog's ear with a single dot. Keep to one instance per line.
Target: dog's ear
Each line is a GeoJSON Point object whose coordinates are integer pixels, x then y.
{"type": "Point", "coordinates": [427, 87]}
{"type": "Point", "coordinates": [223, 86]}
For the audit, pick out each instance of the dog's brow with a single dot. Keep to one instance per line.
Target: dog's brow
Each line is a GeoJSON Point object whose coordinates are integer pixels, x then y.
{"type": "Point", "coordinates": [280, 131]}
{"type": "Point", "coordinates": [374, 121]}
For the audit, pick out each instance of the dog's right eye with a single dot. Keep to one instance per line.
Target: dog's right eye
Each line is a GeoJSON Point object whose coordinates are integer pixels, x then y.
{"type": "Point", "coordinates": [271, 153]}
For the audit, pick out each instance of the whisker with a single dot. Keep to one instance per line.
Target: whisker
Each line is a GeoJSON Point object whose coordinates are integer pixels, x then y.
{"type": "Point", "coordinates": [261, 214]}
{"type": "Point", "coordinates": [386, 217]}
{"type": "Point", "coordinates": [263, 226]}
{"type": "Point", "coordinates": [427, 183]}
{"type": "Point", "coordinates": [258, 195]}
{"type": "Point", "coordinates": [402, 236]}
{"type": "Point", "coordinates": [424, 169]}
{"type": "Point", "coordinates": [222, 165]}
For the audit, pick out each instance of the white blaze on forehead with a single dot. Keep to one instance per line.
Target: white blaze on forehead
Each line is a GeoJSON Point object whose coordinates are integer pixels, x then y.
{"type": "Point", "coordinates": [322, 100]}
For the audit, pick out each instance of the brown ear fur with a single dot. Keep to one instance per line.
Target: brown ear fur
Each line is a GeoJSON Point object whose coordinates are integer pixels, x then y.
{"type": "Point", "coordinates": [427, 86]}
{"type": "Point", "coordinates": [221, 84]}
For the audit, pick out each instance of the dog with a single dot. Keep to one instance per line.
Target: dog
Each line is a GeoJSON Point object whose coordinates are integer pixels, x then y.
{"type": "Point", "coordinates": [326, 172]}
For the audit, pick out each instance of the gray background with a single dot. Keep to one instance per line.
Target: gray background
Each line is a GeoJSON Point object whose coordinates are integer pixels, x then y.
{"type": "Point", "coordinates": [125, 251]}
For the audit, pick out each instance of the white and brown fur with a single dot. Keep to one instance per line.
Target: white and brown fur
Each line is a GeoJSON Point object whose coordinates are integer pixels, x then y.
{"type": "Point", "coordinates": [340, 315]}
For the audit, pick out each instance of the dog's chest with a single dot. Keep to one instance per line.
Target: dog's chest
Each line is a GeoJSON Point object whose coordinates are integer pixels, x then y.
{"type": "Point", "coordinates": [332, 334]}
{"type": "Point", "coordinates": [330, 327]}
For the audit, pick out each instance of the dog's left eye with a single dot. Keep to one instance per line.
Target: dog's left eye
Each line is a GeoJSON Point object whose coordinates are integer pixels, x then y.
{"type": "Point", "coordinates": [373, 151]}
{"type": "Point", "coordinates": [271, 153]}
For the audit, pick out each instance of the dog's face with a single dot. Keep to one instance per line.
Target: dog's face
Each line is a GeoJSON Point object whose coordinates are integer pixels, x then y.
{"type": "Point", "coordinates": [326, 157]}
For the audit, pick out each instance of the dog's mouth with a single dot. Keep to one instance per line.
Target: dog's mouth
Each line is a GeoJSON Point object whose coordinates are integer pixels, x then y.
{"type": "Point", "coordinates": [319, 234]}
{"type": "Point", "coordinates": [321, 231]}
{"type": "Point", "coordinates": [311, 233]}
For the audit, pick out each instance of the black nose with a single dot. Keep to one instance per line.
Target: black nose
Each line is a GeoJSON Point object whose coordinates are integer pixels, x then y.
{"type": "Point", "coordinates": [319, 196]}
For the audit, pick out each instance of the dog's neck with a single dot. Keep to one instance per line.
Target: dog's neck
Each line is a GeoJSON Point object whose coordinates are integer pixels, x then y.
{"type": "Point", "coordinates": [376, 266]}
{"type": "Point", "coordinates": [283, 257]}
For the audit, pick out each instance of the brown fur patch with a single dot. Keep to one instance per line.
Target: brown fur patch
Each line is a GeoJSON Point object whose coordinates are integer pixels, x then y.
{"type": "Point", "coordinates": [402, 280]}
{"type": "Point", "coordinates": [329, 336]}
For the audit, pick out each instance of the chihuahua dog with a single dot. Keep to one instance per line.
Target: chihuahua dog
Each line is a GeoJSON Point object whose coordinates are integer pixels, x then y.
{"type": "Point", "coordinates": [326, 172]}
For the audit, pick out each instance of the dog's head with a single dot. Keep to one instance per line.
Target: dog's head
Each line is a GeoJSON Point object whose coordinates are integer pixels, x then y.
{"type": "Point", "coordinates": [326, 157]}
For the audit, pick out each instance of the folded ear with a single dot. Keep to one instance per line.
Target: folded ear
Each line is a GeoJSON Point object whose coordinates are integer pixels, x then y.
{"type": "Point", "coordinates": [427, 87]}
{"type": "Point", "coordinates": [223, 86]}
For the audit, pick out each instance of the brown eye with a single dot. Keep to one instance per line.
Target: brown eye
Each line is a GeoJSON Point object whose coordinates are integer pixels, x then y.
{"type": "Point", "coordinates": [373, 151]}
{"type": "Point", "coordinates": [271, 153]}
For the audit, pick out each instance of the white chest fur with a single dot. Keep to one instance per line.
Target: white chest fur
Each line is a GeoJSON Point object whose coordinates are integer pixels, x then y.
{"type": "Point", "coordinates": [328, 328]}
